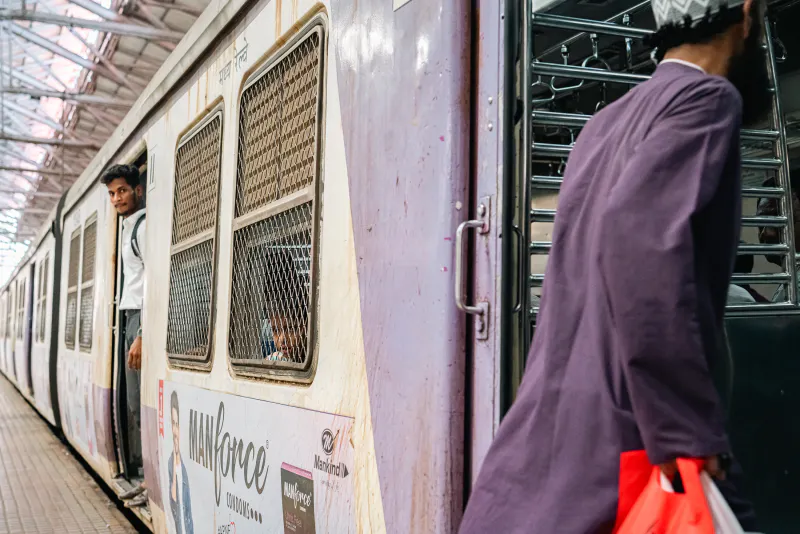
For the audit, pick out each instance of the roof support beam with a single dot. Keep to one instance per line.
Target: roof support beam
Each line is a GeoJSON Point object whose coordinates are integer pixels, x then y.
{"type": "Point", "coordinates": [25, 78]}
{"type": "Point", "coordinates": [192, 10]}
{"type": "Point", "coordinates": [73, 98]}
{"type": "Point", "coordinates": [43, 172]}
{"type": "Point", "coordinates": [118, 28]}
{"type": "Point", "coordinates": [100, 11]}
{"type": "Point", "coordinates": [25, 112]}
{"type": "Point", "coordinates": [61, 51]}
{"type": "Point", "coordinates": [66, 143]}
{"type": "Point", "coordinates": [30, 193]}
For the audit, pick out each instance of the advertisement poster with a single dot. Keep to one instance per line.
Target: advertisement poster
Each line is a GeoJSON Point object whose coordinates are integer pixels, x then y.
{"type": "Point", "coordinates": [245, 466]}
{"type": "Point", "coordinates": [75, 377]}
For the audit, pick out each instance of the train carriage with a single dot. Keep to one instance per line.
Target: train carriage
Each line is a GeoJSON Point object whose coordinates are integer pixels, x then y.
{"type": "Point", "coordinates": [349, 206]}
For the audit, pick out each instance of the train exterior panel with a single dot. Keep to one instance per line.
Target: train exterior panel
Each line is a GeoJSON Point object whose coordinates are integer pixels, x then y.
{"type": "Point", "coordinates": [356, 367]}
{"type": "Point", "coordinates": [42, 323]}
{"type": "Point", "coordinates": [84, 347]}
{"type": "Point", "coordinates": [369, 424]}
{"type": "Point", "coordinates": [327, 184]}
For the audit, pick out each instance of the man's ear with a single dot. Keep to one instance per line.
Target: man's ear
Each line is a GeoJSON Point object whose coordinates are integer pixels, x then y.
{"type": "Point", "coordinates": [751, 10]}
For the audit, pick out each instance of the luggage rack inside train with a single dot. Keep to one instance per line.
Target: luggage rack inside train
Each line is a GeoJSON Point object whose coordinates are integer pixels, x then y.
{"type": "Point", "coordinates": [575, 67]}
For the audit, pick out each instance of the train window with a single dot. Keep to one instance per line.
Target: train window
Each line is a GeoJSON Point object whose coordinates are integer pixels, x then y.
{"type": "Point", "coordinates": [87, 283]}
{"type": "Point", "coordinates": [72, 289]}
{"type": "Point", "coordinates": [41, 299]}
{"type": "Point", "coordinates": [21, 310]}
{"type": "Point", "coordinates": [276, 215]}
{"type": "Point", "coordinates": [194, 218]}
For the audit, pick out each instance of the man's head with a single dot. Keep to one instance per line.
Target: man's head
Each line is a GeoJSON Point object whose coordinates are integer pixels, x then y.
{"type": "Point", "coordinates": [725, 39]}
{"type": "Point", "coordinates": [769, 207]}
{"type": "Point", "coordinates": [176, 427]}
{"type": "Point", "coordinates": [124, 188]}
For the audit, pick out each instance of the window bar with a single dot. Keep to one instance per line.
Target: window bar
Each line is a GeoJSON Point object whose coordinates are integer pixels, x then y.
{"type": "Point", "coordinates": [783, 154]}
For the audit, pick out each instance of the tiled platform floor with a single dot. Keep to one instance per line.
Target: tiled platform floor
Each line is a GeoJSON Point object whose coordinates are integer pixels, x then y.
{"type": "Point", "coordinates": [43, 488]}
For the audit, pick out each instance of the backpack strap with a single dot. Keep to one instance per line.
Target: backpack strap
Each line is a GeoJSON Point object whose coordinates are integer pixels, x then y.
{"type": "Point", "coordinates": [135, 239]}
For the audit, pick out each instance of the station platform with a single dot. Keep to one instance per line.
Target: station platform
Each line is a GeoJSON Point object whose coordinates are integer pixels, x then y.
{"type": "Point", "coordinates": [43, 487]}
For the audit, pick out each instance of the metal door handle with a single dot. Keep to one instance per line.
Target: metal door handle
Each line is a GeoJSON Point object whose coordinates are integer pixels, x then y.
{"type": "Point", "coordinates": [480, 309]}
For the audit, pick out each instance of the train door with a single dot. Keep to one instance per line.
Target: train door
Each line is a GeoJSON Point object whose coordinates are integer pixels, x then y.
{"type": "Point", "coordinates": [124, 445]}
{"type": "Point", "coordinates": [569, 61]}
{"type": "Point", "coordinates": [478, 239]}
{"type": "Point", "coordinates": [28, 330]}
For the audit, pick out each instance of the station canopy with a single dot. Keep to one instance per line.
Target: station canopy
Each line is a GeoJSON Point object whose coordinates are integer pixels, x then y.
{"type": "Point", "coordinates": [69, 72]}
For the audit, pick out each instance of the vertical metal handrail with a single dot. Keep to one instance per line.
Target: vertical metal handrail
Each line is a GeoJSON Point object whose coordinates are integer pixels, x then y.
{"type": "Point", "coordinates": [783, 171]}
{"type": "Point", "coordinates": [525, 189]}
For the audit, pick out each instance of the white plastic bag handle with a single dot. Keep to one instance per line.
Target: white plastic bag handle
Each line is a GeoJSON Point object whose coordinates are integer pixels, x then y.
{"type": "Point", "coordinates": [725, 521]}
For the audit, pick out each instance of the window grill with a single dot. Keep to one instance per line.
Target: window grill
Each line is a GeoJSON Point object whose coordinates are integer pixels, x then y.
{"type": "Point", "coordinates": [195, 206]}
{"type": "Point", "coordinates": [41, 305]}
{"type": "Point", "coordinates": [277, 213]}
{"type": "Point", "coordinates": [72, 289]}
{"type": "Point", "coordinates": [601, 61]}
{"type": "Point", "coordinates": [87, 285]}
{"type": "Point", "coordinates": [21, 310]}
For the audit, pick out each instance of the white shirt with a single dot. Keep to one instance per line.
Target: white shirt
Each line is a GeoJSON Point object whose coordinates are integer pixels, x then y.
{"type": "Point", "coordinates": [132, 267]}
{"type": "Point", "coordinates": [684, 63]}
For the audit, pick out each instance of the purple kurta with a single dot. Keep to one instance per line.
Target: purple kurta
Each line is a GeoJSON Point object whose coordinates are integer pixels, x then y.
{"type": "Point", "coordinates": [632, 310]}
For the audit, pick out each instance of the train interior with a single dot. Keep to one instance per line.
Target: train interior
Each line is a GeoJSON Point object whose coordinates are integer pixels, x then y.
{"type": "Point", "coordinates": [127, 450]}
{"type": "Point", "coordinates": [581, 56]}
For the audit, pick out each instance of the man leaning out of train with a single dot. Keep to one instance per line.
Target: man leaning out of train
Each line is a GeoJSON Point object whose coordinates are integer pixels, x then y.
{"type": "Point", "coordinates": [124, 183]}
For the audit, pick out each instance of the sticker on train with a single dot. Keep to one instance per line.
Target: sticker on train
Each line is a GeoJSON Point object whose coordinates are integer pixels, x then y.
{"type": "Point", "coordinates": [245, 466]}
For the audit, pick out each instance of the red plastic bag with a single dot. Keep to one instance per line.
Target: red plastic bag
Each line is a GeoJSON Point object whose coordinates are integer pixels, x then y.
{"type": "Point", "coordinates": [657, 511]}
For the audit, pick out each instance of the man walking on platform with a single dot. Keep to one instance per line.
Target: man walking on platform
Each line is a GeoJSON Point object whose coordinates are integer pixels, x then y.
{"type": "Point", "coordinates": [127, 195]}
{"type": "Point", "coordinates": [631, 317]}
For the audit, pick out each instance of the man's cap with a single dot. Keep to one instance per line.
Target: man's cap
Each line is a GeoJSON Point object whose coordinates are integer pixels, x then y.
{"type": "Point", "coordinates": [675, 11]}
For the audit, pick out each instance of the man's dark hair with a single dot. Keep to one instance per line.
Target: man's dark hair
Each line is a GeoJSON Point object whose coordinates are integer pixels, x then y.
{"type": "Point", "coordinates": [174, 405]}
{"type": "Point", "coordinates": [700, 32]}
{"type": "Point", "coordinates": [128, 172]}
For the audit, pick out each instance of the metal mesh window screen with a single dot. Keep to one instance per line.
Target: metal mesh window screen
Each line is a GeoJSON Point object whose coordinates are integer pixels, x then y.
{"type": "Point", "coordinates": [196, 182]}
{"type": "Point", "coordinates": [189, 311]}
{"type": "Point", "coordinates": [89, 252]}
{"type": "Point", "coordinates": [71, 322]}
{"type": "Point", "coordinates": [197, 171]}
{"type": "Point", "coordinates": [87, 306]}
{"type": "Point", "coordinates": [72, 316]}
{"type": "Point", "coordinates": [278, 128]}
{"type": "Point", "coordinates": [74, 259]}
{"type": "Point", "coordinates": [87, 286]}
{"type": "Point", "coordinates": [271, 289]}
{"type": "Point", "coordinates": [41, 304]}
{"type": "Point", "coordinates": [21, 311]}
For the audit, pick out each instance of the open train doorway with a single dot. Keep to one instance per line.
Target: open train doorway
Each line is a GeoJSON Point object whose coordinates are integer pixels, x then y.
{"type": "Point", "coordinates": [128, 198]}
{"type": "Point", "coordinates": [569, 60]}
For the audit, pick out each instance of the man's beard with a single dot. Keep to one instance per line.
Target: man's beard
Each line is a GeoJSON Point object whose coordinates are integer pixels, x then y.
{"type": "Point", "coordinates": [749, 74]}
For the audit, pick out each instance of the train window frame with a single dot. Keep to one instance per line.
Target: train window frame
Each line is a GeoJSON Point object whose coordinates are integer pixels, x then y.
{"type": "Point", "coordinates": [21, 309]}
{"type": "Point", "coordinates": [76, 234]}
{"type": "Point", "coordinates": [262, 368]}
{"type": "Point", "coordinates": [43, 271]}
{"type": "Point", "coordinates": [86, 285]}
{"type": "Point", "coordinates": [186, 361]}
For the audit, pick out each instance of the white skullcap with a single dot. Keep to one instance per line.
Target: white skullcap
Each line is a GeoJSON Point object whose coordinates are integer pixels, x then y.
{"type": "Point", "coordinates": [675, 11]}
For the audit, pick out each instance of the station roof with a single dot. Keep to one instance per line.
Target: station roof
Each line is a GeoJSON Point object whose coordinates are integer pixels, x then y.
{"type": "Point", "coordinates": [69, 72]}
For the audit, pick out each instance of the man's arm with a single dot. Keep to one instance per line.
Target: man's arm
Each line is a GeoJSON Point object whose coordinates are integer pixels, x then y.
{"type": "Point", "coordinates": [647, 264]}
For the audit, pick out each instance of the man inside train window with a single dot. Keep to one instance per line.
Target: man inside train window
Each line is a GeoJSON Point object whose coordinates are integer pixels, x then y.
{"type": "Point", "coordinates": [180, 498]}
{"type": "Point", "coordinates": [772, 235]}
{"type": "Point", "coordinates": [619, 375]}
{"type": "Point", "coordinates": [126, 192]}
{"type": "Point", "coordinates": [739, 294]}
{"type": "Point", "coordinates": [283, 330]}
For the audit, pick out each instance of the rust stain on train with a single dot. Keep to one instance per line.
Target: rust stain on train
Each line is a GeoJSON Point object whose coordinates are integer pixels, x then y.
{"type": "Point", "coordinates": [278, 6]}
